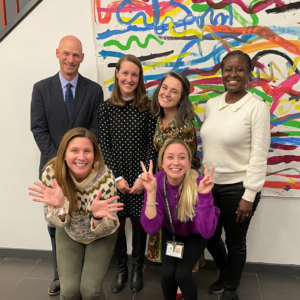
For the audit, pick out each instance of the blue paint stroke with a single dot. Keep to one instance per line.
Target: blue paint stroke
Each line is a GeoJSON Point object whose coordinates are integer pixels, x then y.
{"type": "Point", "coordinates": [105, 54]}
{"type": "Point", "coordinates": [286, 141]}
{"type": "Point", "coordinates": [285, 119]}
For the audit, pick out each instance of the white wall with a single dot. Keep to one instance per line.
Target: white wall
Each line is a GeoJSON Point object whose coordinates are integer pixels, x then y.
{"type": "Point", "coordinates": [27, 55]}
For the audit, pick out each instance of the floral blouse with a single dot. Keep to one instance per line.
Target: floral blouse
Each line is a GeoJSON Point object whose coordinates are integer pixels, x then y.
{"type": "Point", "coordinates": [186, 133]}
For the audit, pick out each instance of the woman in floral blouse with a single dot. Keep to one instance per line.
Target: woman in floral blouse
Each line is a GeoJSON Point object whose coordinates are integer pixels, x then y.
{"type": "Point", "coordinates": [175, 113]}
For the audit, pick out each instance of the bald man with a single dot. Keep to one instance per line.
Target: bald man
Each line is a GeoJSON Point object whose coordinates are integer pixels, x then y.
{"type": "Point", "coordinates": [59, 103]}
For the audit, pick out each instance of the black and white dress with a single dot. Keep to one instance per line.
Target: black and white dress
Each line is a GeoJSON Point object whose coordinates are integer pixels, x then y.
{"type": "Point", "coordinates": [126, 139]}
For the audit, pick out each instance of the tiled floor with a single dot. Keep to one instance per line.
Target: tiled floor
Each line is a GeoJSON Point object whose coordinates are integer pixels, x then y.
{"type": "Point", "coordinates": [28, 279]}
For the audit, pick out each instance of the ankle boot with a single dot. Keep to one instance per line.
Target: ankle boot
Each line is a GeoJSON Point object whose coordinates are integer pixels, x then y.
{"type": "Point", "coordinates": [121, 258]}
{"type": "Point", "coordinates": [139, 237]}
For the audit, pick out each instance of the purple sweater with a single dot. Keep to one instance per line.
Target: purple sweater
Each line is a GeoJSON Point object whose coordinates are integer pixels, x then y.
{"type": "Point", "coordinates": [204, 222]}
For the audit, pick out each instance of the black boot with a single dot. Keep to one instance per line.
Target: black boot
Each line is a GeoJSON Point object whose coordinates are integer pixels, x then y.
{"type": "Point", "coordinates": [139, 237]}
{"type": "Point", "coordinates": [121, 258]}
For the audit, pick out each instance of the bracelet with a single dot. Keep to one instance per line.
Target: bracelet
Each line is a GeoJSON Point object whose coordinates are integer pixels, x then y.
{"type": "Point", "coordinates": [152, 204]}
{"type": "Point", "coordinates": [96, 218]}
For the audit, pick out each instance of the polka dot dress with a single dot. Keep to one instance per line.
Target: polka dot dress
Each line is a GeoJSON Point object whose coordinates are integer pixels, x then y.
{"type": "Point", "coordinates": [125, 139]}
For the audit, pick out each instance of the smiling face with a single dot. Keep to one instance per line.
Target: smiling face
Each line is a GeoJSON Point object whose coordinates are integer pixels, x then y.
{"type": "Point", "coordinates": [70, 57]}
{"type": "Point", "coordinates": [170, 93]}
{"type": "Point", "coordinates": [176, 163]}
{"type": "Point", "coordinates": [235, 74]}
{"type": "Point", "coordinates": [79, 157]}
{"type": "Point", "coordinates": [128, 78]}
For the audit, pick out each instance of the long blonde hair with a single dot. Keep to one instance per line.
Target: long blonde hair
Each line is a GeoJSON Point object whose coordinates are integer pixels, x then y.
{"type": "Point", "coordinates": [188, 188]}
{"type": "Point", "coordinates": [61, 169]}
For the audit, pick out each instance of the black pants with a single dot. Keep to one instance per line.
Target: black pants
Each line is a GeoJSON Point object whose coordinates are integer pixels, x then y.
{"type": "Point", "coordinates": [227, 198]}
{"type": "Point", "coordinates": [178, 272]}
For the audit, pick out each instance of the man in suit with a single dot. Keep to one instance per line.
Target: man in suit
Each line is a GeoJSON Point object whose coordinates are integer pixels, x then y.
{"type": "Point", "coordinates": [59, 103]}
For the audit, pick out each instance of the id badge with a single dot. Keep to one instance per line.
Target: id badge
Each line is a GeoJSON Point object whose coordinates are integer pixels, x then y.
{"type": "Point", "coordinates": [175, 249]}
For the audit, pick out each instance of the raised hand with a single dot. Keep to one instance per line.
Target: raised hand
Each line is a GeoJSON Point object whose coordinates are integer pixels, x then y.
{"type": "Point", "coordinates": [53, 197]}
{"type": "Point", "coordinates": [103, 208]}
{"type": "Point", "coordinates": [148, 180]}
{"type": "Point", "coordinates": [206, 184]}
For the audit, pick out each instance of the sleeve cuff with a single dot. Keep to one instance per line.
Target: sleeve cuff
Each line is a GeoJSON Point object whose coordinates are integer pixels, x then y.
{"type": "Point", "coordinates": [249, 195]}
{"type": "Point", "coordinates": [118, 179]}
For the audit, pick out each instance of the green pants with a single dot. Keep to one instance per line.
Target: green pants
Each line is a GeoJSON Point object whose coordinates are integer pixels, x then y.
{"type": "Point", "coordinates": [81, 268]}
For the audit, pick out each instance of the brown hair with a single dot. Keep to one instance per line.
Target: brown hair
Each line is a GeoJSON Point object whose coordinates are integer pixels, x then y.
{"type": "Point", "coordinates": [141, 101]}
{"type": "Point", "coordinates": [61, 169]}
{"type": "Point", "coordinates": [185, 109]}
{"type": "Point", "coordinates": [188, 188]}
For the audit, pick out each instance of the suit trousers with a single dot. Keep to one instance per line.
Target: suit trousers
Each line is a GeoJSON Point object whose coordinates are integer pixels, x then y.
{"type": "Point", "coordinates": [82, 267]}
{"type": "Point", "coordinates": [227, 198]}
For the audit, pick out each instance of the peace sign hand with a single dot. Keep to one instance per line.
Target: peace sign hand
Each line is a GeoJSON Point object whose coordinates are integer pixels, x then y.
{"type": "Point", "coordinates": [206, 184]}
{"type": "Point", "coordinates": [103, 208]}
{"type": "Point", "coordinates": [53, 197]}
{"type": "Point", "coordinates": [148, 180]}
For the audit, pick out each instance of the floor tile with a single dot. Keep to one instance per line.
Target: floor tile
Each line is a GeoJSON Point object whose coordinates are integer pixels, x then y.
{"type": "Point", "coordinates": [57, 297]}
{"type": "Point", "coordinates": [204, 278]}
{"type": "Point", "coordinates": [43, 269]}
{"type": "Point", "coordinates": [276, 297]}
{"type": "Point", "coordinates": [125, 294]}
{"type": "Point", "coordinates": [1, 259]}
{"type": "Point", "coordinates": [151, 290]}
{"type": "Point", "coordinates": [23, 258]}
{"type": "Point", "coordinates": [27, 288]}
{"type": "Point", "coordinates": [279, 285]}
{"type": "Point", "coordinates": [152, 274]}
{"type": "Point", "coordinates": [249, 287]}
{"type": "Point", "coordinates": [11, 272]}
{"type": "Point", "coordinates": [205, 295]}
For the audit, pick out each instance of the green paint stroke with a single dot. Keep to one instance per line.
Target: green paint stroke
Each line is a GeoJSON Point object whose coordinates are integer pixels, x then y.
{"type": "Point", "coordinates": [262, 95]}
{"type": "Point", "coordinates": [236, 15]}
{"type": "Point", "coordinates": [294, 124]}
{"type": "Point", "coordinates": [130, 40]}
{"type": "Point", "coordinates": [292, 133]}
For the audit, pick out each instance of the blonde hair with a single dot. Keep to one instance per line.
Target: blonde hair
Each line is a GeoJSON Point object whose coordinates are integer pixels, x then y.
{"type": "Point", "coordinates": [61, 169]}
{"type": "Point", "coordinates": [188, 188]}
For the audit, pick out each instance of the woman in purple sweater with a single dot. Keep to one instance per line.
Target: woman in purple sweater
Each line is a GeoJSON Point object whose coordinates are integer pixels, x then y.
{"type": "Point", "coordinates": [179, 201]}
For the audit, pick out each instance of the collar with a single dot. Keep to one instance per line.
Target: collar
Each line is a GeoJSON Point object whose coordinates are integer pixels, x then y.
{"type": "Point", "coordinates": [235, 106]}
{"type": "Point", "coordinates": [169, 127]}
{"type": "Point", "coordinates": [64, 81]}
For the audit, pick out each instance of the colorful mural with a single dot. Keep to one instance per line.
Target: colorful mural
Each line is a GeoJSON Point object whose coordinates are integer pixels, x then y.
{"type": "Point", "coordinates": [192, 36]}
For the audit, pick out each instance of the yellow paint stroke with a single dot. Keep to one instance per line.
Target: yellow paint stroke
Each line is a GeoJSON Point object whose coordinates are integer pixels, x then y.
{"type": "Point", "coordinates": [297, 106]}
{"type": "Point", "coordinates": [290, 180]}
{"type": "Point", "coordinates": [172, 13]}
{"type": "Point", "coordinates": [296, 61]}
{"type": "Point", "coordinates": [199, 110]}
{"type": "Point", "coordinates": [263, 75]}
{"type": "Point", "coordinates": [159, 63]}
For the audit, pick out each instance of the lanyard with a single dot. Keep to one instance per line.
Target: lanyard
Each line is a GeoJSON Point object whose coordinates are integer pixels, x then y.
{"type": "Point", "coordinates": [168, 208]}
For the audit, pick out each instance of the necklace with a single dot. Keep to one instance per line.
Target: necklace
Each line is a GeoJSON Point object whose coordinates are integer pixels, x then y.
{"type": "Point", "coordinates": [174, 193]}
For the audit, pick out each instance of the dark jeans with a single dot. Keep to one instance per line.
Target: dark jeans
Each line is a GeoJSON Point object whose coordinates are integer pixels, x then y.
{"type": "Point", "coordinates": [227, 198]}
{"type": "Point", "coordinates": [178, 272]}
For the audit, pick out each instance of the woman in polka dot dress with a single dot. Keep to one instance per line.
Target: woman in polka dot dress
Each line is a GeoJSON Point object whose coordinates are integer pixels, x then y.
{"type": "Point", "coordinates": [126, 130]}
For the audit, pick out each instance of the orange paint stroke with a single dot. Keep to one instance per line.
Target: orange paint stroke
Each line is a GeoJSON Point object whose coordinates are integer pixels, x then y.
{"type": "Point", "coordinates": [136, 5]}
{"type": "Point", "coordinates": [281, 185]}
{"type": "Point", "coordinates": [264, 45]}
{"type": "Point", "coordinates": [262, 31]}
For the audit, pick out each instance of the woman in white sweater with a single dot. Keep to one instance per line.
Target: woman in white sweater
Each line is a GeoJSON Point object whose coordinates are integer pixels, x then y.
{"type": "Point", "coordinates": [79, 194]}
{"type": "Point", "coordinates": [236, 140]}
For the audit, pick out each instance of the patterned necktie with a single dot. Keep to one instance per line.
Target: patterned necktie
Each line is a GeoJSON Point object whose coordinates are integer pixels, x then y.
{"type": "Point", "coordinates": [69, 100]}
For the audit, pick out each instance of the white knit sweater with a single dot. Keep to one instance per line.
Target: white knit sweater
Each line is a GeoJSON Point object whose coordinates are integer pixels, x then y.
{"type": "Point", "coordinates": [236, 140]}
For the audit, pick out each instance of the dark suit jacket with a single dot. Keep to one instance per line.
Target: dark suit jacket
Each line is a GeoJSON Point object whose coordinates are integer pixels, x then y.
{"type": "Point", "coordinates": [49, 120]}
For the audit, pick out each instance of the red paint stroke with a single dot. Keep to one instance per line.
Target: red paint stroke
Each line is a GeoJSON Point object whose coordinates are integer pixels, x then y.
{"type": "Point", "coordinates": [208, 81]}
{"type": "Point", "coordinates": [277, 134]}
{"type": "Point", "coordinates": [135, 6]}
{"type": "Point", "coordinates": [285, 175]}
{"type": "Point", "coordinates": [256, 8]}
{"type": "Point", "coordinates": [275, 160]}
{"type": "Point", "coordinates": [194, 71]}
{"type": "Point", "coordinates": [282, 185]}
{"type": "Point", "coordinates": [152, 83]}
{"type": "Point", "coordinates": [283, 147]}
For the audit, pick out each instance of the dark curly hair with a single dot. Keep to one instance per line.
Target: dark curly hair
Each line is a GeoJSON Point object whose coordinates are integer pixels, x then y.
{"type": "Point", "coordinates": [243, 55]}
